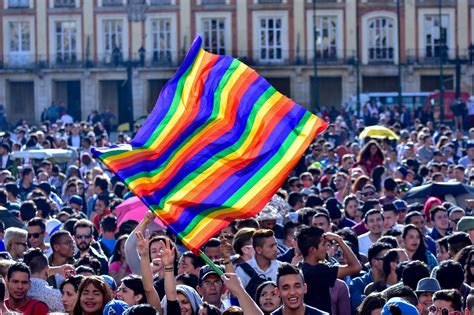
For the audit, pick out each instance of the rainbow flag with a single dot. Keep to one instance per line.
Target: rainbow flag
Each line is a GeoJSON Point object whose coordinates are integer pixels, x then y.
{"type": "Point", "coordinates": [217, 146]}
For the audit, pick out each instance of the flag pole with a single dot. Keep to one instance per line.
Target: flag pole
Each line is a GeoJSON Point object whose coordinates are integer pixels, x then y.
{"type": "Point", "coordinates": [211, 264]}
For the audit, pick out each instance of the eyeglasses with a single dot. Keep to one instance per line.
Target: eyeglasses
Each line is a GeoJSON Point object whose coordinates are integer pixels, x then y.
{"type": "Point", "coordinates": [20, 243]}
{"type": "Point", "coordinates": [368, 193]}
{"type": "Point", "coordinates": [83, 236]}
{"type": "Point", "coordinates": [444, 311]}
{"type": "Point", "coordinates": [212, 283]}
{"type": "Point", "coordinates": [34, 235]}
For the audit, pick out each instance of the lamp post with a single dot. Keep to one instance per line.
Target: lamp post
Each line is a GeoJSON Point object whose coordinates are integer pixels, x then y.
{"type": "Point", "coordinates": [399, 59]}
{"type": "Point", "coordinates": [357, 58]}
{"type": "Point", "coordinates": [315, 63]}
{"type": "Point", "coordinates": [441, 60]}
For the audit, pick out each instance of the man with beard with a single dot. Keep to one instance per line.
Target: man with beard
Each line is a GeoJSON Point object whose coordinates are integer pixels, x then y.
{"type": "Point", "coordinates": [18, 284]}
{"type": "Point", "coordinates": [292, 288]}
{"type": "Point", "coordinates": [84, 237]}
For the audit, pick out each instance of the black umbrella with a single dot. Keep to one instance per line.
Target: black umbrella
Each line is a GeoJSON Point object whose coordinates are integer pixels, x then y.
{"type": "Point", "coordinates": [459, 191]}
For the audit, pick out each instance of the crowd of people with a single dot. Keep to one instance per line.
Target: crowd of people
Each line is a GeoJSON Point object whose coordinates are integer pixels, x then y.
{"type": "Point", "coordinates": [338, 238]}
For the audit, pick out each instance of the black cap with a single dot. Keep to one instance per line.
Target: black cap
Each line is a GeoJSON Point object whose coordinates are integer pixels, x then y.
{"type": "Point", "coordinates": [206, 270]}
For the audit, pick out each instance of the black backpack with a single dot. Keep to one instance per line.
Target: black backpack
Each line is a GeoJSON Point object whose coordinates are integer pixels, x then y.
{"type": "Point", "coordinates": [255, 279]}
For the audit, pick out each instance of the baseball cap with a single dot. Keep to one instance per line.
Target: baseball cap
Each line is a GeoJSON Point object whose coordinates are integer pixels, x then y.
{"type": "Point", "coordinates": [115, 307]}
{"type": "Point", "coordinates": [206, 271]}
{"type": "Point", "coordinates": [76, 199]}
{"type": "Point", "coordinates": [403, 306]}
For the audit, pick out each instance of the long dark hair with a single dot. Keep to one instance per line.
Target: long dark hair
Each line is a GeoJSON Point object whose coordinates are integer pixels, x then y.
{"type": "Point", "coordinates": [100, 284]}
{"type": "Point", "coordinates": [468, 274]}
{"type": "Point", "coordinates": [116, 254]}
{"type": "Point", "coordinates": [420, 253]}
{"type": "Point", "coordinates": [377, 177]}
{"type": "Point", "coordinates": [364, 153]}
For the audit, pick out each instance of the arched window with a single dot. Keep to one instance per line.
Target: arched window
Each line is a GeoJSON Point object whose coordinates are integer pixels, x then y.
{"type": "Point", "coordinates": [381, 39]}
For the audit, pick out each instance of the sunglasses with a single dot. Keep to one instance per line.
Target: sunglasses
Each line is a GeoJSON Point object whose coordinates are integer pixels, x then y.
{"type": "Point", "coordinates": [83, 236]}
{"type": "Point", "coordinates": [369, 193]}
{"type": "Point", "coordinates": [443, 310]}
{"type": "Point", "coordinates": [34, 235]}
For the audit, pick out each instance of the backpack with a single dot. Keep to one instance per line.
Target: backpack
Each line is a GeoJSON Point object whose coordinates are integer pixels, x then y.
{"type": "Point", "coordinates": [255, 279]}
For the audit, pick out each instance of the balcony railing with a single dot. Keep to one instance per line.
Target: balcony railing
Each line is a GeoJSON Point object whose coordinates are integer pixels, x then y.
{"type": "Point", "coordinates": [427, 57]}
{"type": "Point", "coordinates": [160, 2]}
{"type": "Point", "coordinates": [64, 3]}
{"type": "Point", "coordinates": [112, 3]}
{"type": "Point", "coordinates": [213, 2]}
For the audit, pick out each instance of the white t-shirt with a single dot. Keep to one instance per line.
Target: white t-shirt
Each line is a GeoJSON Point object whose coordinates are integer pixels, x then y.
{"type": "Point", "coordinates": [364, 243]}
{"type": "Point", "coordinates": [270, 273]}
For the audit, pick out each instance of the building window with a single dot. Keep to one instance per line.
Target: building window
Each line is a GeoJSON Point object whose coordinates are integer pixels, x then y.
{"type": "Point", "coordinates": [214, 35]}
{"type": "Point", "coordinates": [66, 45]}
{"type": "Point", "coordinates": [211, 2]}
{"type": "Point", "coordinates": [112, 3]}
{"type": "Point", "coordinates": [381, 39]}
{"type": "Point", "coordinates": [161, 33]}
{"type": "Point", "coordinates": [18, 3]}
{"type": "Point", "coordinates": [113, 44]}
{"type": "Point", "coordinates": [434, 38]}
{"type": "Point", "coordinates": [326, 37]}
{"type": "Point", "coordinates": [64, 3]}
{"type": "Point", "coordinates": [270, 39]}
{"type": "Point", "coordinates": [20, 43]}
{"type": "Point", "coordinates": [160, 2]}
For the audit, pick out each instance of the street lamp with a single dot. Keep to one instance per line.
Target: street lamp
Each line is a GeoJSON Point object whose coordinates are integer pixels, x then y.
{"type": "Point", "coordinates": [315, 62]}
{"type": "Point", "coordinates": [357, 58]}
{"type": "Point", "coordinates": [399, 59]}
{"type": "Point", "coordinates": [442, 47]}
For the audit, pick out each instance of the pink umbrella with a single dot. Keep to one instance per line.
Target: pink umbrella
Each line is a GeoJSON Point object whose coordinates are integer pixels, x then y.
{"type": "Point", "coordinates": [133, 209]}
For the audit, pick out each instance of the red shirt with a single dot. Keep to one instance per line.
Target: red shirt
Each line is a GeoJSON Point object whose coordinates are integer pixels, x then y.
{"type": "Point", "coordinates": [97, 218]}
{"type": "Point", "coordinates": [32, 307]}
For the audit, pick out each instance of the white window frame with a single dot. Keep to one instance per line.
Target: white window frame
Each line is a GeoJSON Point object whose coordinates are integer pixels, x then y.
{"type": "Point", "coordinates": [53, 19]}
{"type": "Point", "coordinates": [100, 35]}
{"type": "Point", "coordinates": [365, 26]}
{"type": "Point", "coordinates": [6, 38]}
{"type": "Point", "coordinates": [173, 2]}
{"type": "Point", "coordinates": [451, 34]}
{"type": "Point", "coordinates": [338, 14]}
{"type": "Point", "coordinates": [379, 31]}
{"type": "Point", "coordinates": [99, 3]}
{"type": "Point", "coordinates": [257, 1]}
{"type": "Point", "coordinates": [76, 4]}
{"type": "Point", "coordinates": [199, 2]}
{"type": "Point", "coordinates": [5, 4]}
{"type": "Point", "coordinates": [149, 32]}
{"type": "Point", "coordinates": [227, 16]}
{"type": "Point", "coordinates": [256, 16]}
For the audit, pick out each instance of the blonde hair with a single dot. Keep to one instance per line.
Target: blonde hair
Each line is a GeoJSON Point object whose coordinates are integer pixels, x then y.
{"type": "Point", "coordinates": [14, 234]}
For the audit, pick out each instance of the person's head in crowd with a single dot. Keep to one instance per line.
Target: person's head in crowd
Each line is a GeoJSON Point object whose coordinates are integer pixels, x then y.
{"type": "Point", "coordinates": [18, 283]}
{"type": "Point", "coordinates": [36, 233]}
{"type": "Point", "coordinates": [439, 217]}
{"type": "Point", "coordinates": [459, 173]}
{"type": "Point", "coordinates": [374, 221]}
{"type": "Point", "coordinates": [88, 261]}
{"type": "Point", "coordinates": [442, 251]}
{"type": "Point", "coordinates": [295, 200]}
{"type": "Point", "coordinates": [372, 304]}
{"type": "Point", "coordinates": [15, 240]}
{"type": "Point", "coordinates": [69, 288]}
{"type": "Point", "coordinates": [291, 287]}
{"type": "Point", "coordinates": [393, 237]}
{"type": "Point", "coordinates": [378, 175]}
{"type": "Point", "coordinates": [43, 207]}
{"type": "Point", "coordinates": [156, 245]}
{"type": "Point", "coordinates": [322, 221]}
{"type": "Point", "coordinates": [368, 192]}
{"type": "Point", "coordinates": [404, 292]}
{"type": "Point", "coordinates": [267, 298]}
{"type": "Point", "coordinates": [289, 229]}
{"type": "Point", "coordinates": [306, 178]}
{"type": "Point", "coordinates": [210, 286]}
{"type": "Point", "coordinates": [85, 271]}
{"type": "Point", "coordinates": [265, 246]}
{"type": "Point", "coordinates": [313, 200]}
{"type": "Point", "coordinates": [295, 184]}
{"type": "Point", "coordinates": [189, 263]}
{"type": "Point", "coordinates": [37, 262]}
{"type": "Point", "coordinates": [414, 243]}
{"type": "Point", "coordinates": [455, 215]}
{"type": "Point", "coordinates": [93, 295]}
{"type": "Point", "coordinates": [359, 183]}
{"type": "Point", "coordinates": [450, 275]}
{"type": "Point", "coordinates": [390, 215]}
{"type": "Point", "coordinates": [102, 204]}
{"type": "Point", "coordinates": [12, 191]}
{"type": "Point", "coordinates": [398, 306]}
{"type": "Point", "coordinates": [334, 208]}
{"type": "Point", "coordinates": [348, 235]}
{"type": "Point", "coordinates": [242, 243]}
{"type": "Point", "coordinates": [69, 225]}
{"type": "Point", "coordinates": [63, 247]}
{"type": "Point", "coordinates": [311, 243]}
{"type": "Point", "coordinates": [375, 256]}
{"type": "Point", "coordinates": [390, 262]}
{"type": "Point", "coordinates": [131, 291]}
{"type": "Point", "coordinates": [416, 218]}
{"type": "Point", "coordinates": [267, 218]}
{"type": "Point", "coordinates": [208, 309]}
{"type": "Point", "coordinates": [413, 271]}
{"type": "Point", "coordinates": [27, 210]}
{"type": "Point", "coordinates": [370, 151]}
{"type": "Point", "coordinates": [118, 253]}
{"type": "Point", "coordinates": [430, 204]}
{"type": "Point", "coordinates": [351, 205]}
{"type": "Point", "coordinates": [76, 203]}
{"type": "Point", "coordinates": [326, 193]}
{"type": "Point", "coordinates": [425, 289]}
{"type": "Point", "coordinates": [83, 234]}
{"type": "Point", "coordinates": [340, 181]}
{"type": "Point", "coordinates": [347, 162]}
{"type": "Point", "coordinates": [247, 223]}
{"type": "Point", "coordinates": [457, 241]}
{"type": "Point", "coordinates": [306, 215]}
{"type": "Point", "coordinates": [470, 304]}
{"type": "Point", "coordinates": [466, 224]}
{"type": "Point", "coordinates": [101, 184]}
{"type": "Point", "coordinates": [108, 226]}
{"type": "Point", "coordinates": [27, 175]}
{"type": "Point", "coordinates": [212, 249]}
{"type": "Point", "coordinates": [446, 302]}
